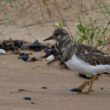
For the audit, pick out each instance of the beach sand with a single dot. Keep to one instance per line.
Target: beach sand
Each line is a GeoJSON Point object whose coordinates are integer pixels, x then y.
{"type": "Point", "coordinates": [48, 86]}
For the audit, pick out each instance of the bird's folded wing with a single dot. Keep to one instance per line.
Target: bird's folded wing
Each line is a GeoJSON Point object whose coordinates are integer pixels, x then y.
{"type": "Point", "coordinates": [91, 55]}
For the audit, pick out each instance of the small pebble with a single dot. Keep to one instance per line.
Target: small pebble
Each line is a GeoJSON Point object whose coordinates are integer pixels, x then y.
{"type": "Point", "coordinates": [21, 90]}
{"type": "Point", "coordinates": [101, 88]}
{"type": "Point", "coordinates": [32, 103]}
{"type": "Point", "coordinates": [27, 98]}
{"type": "Point", "coordinates": [33, 59]}
{"type": "Point", "coordinates": [44, 87]}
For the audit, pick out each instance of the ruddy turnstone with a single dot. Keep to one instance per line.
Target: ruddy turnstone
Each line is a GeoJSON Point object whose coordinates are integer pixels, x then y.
{"type": "Point", "coordinates": [81, 58]}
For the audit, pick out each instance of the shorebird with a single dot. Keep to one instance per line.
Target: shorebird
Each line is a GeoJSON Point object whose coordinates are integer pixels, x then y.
{"type": "Point", "coordinates": [81, 58]}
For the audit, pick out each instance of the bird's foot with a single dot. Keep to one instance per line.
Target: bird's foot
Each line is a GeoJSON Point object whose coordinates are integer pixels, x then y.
{"type": "Point", "coordinates": [79, 91]}
{"type": "Point", "coordinates": [88, 92]}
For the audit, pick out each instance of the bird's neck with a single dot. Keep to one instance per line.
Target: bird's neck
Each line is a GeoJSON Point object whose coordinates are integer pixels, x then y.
{"type": "Point", "coordinates": [65, 49]}
{"type": "Point", "coordinates": [65, 43]}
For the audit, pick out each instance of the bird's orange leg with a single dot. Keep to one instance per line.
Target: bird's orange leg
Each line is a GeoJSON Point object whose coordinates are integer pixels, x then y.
{"type": "Point", "coordinates": [89, 82]}
{"type": "Point", "coordinates": [94, 78]}
{"type": "Point", "coordinates": [82, 86]}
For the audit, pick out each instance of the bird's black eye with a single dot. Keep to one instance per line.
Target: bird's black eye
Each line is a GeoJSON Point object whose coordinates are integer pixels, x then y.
{"type": "Point", "coordinates": [56, 34]}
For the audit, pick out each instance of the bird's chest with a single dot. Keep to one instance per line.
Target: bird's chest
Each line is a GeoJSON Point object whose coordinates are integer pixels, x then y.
{"type": "Point", "coordinates": [74, 63]}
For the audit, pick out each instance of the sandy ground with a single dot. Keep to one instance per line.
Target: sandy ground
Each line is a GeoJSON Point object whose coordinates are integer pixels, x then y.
{"type": "Point", "coordinates": [16, 74]}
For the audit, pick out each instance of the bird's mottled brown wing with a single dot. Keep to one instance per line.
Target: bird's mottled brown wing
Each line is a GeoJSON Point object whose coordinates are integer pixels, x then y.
{"type": "Point", "coordinates": [91, 55]}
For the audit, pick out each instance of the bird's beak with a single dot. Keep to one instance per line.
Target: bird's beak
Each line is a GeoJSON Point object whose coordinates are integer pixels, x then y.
{"type": "Point", "coordinates": [49, 38]}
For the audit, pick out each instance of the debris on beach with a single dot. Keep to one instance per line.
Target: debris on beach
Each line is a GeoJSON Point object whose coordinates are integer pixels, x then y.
{"type": "Point", "coordinates": [32, 103]}
{"type": "Point", "coordinates": [14, 46]}
{"type": "Point", "coordinates": [44, 87]}
{"type": "Point", "coordinates": [27, 98]}
{"type": "Point", "coordinates": [50, 58]}
{"type": "Point", "coordinates": [52, 50]}
{"type": "Point", "coordinates": [33, 59]}
{"type": "Point", "coordinates": [36, 46]}
{"type": "Point", "coordinates": [17, 46]}
{"type": "Point", "coordinates": [8, 45]}
{"type": "Point", "coordinates": [23, 56]}
{"type": "Point", "coordinates": [101, 88]}
{"type": "Point", "coordinates": [2, 52]}
{"type": "Point", "coordinates": [22, 90]}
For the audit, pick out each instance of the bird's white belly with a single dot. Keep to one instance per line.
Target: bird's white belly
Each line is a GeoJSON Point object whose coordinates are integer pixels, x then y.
{"type": "Point", "coordinates": [82, 67]}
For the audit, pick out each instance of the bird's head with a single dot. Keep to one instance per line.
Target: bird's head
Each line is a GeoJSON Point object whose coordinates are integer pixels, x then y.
{"type": "Point", "coordinates": [60, 35]}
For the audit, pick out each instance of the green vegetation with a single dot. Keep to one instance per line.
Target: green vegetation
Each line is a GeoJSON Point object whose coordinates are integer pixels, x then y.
{"type": "Point", "coordinates": [92, 35]}
{"type": "Point", "coordinates": [85, 33]}
{"type": "Point", "coordinates": [89, 33]}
